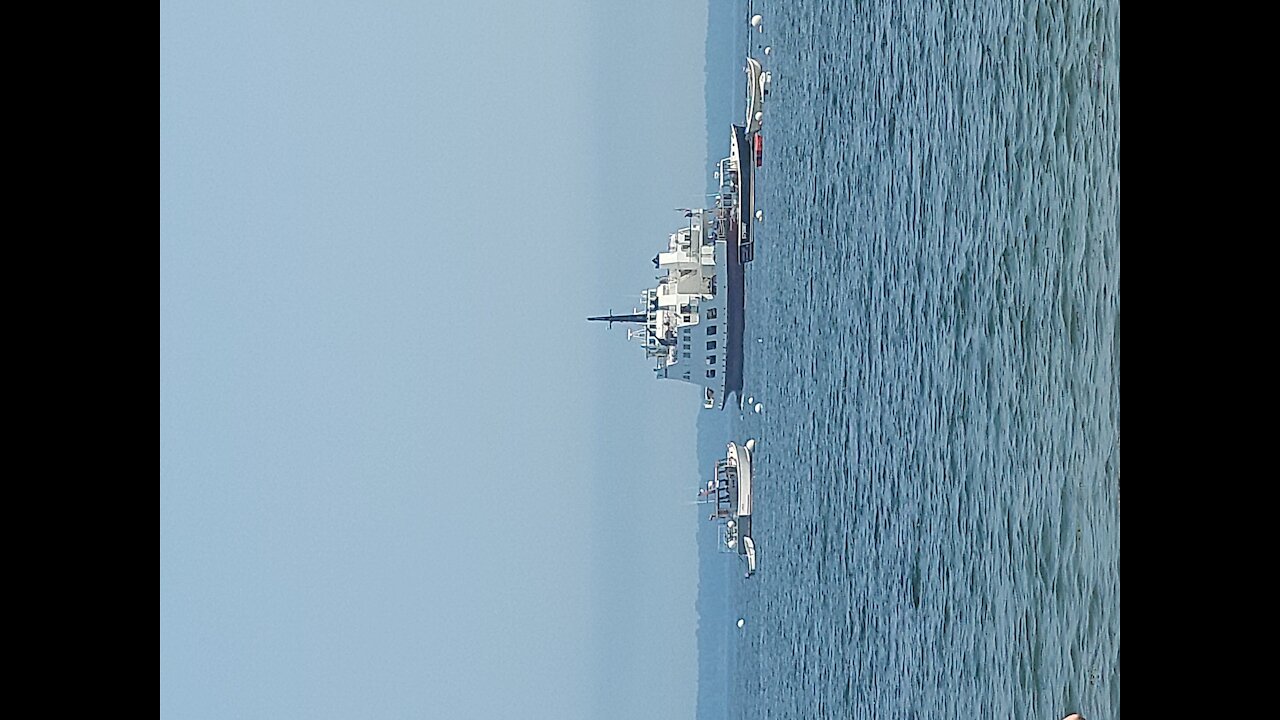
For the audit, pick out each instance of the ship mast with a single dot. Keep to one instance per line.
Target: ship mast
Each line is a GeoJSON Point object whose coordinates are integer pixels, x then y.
{"type": "Point", "coordinates": [634, 317]}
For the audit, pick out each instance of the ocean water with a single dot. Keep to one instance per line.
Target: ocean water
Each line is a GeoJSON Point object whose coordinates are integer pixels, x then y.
{"type": "Point", "coordinates": [934, 332]}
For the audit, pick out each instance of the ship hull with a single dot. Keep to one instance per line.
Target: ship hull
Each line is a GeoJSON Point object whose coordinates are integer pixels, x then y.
{"type": "Point", "coordinates": [740, 457]}
{"type": "Point", "coordinates": [755, 95]}
{"type": "Point", "coordinates": [740, 251]}
{"type": "Point", "coordinates": [736, 304]}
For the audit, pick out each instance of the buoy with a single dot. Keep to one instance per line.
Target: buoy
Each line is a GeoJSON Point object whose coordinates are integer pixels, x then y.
{"type": "Point", "coordinates": [757, 20]}
{"type": "Point", "coordinates": [760, 215]}
{"type": "Point", "coordinates": [768, 50]}
{"type": "Point", "coordinates": [750, 400]}
{"type": "Point", "coordinates": [759, 407]}
{"type": "Point", "coordinates": [751, 444]}
{"type": "Point", "coordinates": [741, 622]}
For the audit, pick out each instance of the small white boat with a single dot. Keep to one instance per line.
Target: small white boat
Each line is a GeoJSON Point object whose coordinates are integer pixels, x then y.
{"type": "Point", "coordinates": [732, 488]}
{"type": "Point", "coordinates": [757, 87]}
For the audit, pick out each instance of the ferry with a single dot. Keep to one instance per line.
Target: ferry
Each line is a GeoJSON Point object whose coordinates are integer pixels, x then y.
{"type": "Point", "coordinates": [691, 323]}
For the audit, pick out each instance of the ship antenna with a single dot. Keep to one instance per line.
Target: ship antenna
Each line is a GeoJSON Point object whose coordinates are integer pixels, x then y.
{"type": "Point", "coordinates": [634, 317]}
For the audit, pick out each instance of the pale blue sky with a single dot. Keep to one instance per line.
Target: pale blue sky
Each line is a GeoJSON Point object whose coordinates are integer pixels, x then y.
{"type": "Point", "coordinates": [400, 475]}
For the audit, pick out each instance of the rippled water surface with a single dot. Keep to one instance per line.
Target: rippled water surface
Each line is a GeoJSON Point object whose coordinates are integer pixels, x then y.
{"type": "Point", "coordinates": [934, 319]}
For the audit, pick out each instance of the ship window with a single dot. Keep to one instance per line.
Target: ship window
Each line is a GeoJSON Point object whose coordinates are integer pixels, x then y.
{"type": "Point", "coordinates": [711, 373]}
{"type": "Point", "coordinates": [711, 330]}
{"type": "Point", "coordinates": [711, 313]}
{"type": "Point", "coordinates": [711, 344]}
{"type": "Point", "coordinates": [711, 359]}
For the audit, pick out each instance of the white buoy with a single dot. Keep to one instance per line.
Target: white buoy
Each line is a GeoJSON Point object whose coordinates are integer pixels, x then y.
{"type": "Point", "coordinates": [768, 50]}
{"type": "Point", "coordinates": [759, 116]}
{"type": "Point", "coordinates": [760, 215]}
{"type": "Point", "coordinates": [741, 622]}
{"type": "Point", "coordinates": [757, 20]}
{"type": "Point", "coordinates": [750, 400]}
{"type": "Point", "coordinates": [759, 407]}
{"type": "Point", "coordinates": [751, 444]}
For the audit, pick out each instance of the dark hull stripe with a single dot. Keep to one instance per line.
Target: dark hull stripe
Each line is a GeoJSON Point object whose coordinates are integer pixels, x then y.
{"type": "Point", "coordinates": [736, 305]}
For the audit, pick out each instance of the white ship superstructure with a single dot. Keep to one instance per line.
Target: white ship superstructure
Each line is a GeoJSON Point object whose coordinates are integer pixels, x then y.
{"type": "Point", "coordinates": [682, 323]}
{"type": "Point", "coordinates": [758, 81]}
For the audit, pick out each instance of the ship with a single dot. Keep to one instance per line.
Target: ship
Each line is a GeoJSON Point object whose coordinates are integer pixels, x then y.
{"type": "Point", "coordinates": [690, 324]}
{"type": "Point", "coordinates": [758, 82]}
{"type": "Point", "coordinates": [730, 489]}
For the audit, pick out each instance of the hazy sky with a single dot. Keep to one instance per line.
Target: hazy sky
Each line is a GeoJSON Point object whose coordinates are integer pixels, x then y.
{"type": "Point", "coordinates": [400, 475]}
